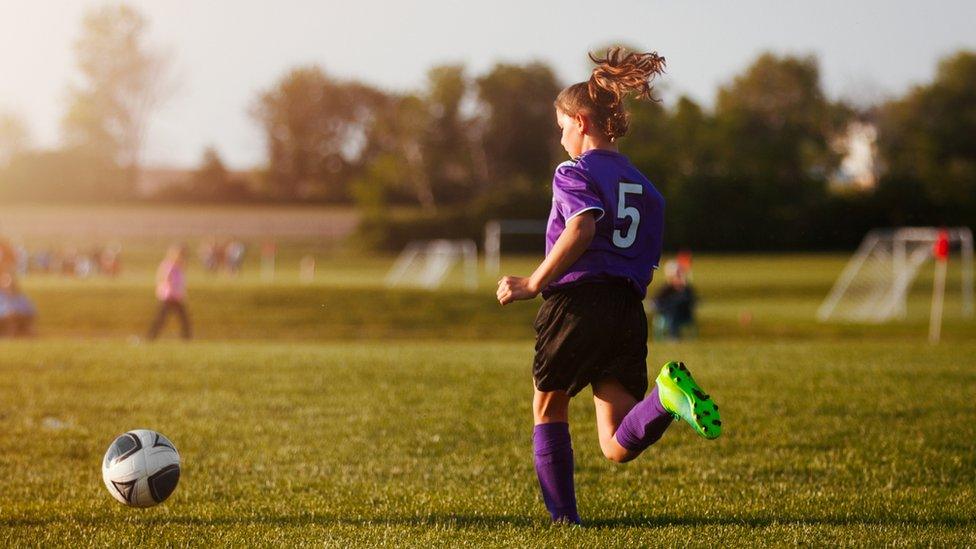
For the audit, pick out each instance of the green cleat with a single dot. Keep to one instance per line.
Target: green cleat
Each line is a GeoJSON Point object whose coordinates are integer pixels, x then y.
{"type": "Point", "coordinates": [681, 396]}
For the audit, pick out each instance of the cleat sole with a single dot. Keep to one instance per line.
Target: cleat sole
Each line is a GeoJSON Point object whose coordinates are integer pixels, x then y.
{"type": "Point", "coordinates": [682, 396]}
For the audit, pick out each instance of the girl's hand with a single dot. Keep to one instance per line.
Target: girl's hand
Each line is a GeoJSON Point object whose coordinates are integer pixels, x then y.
{"type": "Point", "coordinates": [570, 245]}
{"type": "Point", "coordinates": [515, 288]}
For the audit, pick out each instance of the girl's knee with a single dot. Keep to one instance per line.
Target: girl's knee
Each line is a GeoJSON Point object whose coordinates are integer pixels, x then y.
{"type": "Point", "coordinates": [615, 452]}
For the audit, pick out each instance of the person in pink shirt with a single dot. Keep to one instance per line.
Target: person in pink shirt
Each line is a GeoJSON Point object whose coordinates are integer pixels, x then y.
{"type": "Point", "coordinates": [171, 292]}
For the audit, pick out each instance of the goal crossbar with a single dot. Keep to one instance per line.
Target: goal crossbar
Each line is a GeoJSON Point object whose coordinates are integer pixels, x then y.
{"type": "Point", "coordinates": [493, 237]}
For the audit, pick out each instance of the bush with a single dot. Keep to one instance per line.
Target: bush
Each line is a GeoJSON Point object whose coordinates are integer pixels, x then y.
{"type": "Point", "coordinates": [393, 233]}
{"type": "Point", "coordinates": [68, 175]}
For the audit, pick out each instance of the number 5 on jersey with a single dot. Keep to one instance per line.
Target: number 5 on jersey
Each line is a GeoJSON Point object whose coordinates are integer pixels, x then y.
{"type": "Point", "coordinates": [620, 239]}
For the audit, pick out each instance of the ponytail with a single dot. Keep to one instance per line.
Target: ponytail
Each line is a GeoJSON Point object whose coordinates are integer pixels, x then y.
{"type": "Point", "coordinates": [616, 76]}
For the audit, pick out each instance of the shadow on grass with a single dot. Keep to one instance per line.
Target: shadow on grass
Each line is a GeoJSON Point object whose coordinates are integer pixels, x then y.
{"type": "Point", "coordinates": [660, 521]}
{"type": "Point", "coordinates": [459, 521]}
{"type": "Point", "coordinates": [495, 521]}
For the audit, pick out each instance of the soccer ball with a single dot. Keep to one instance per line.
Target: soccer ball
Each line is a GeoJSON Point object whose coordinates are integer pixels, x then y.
{"type": "Point", "coordinates": [141, 468]}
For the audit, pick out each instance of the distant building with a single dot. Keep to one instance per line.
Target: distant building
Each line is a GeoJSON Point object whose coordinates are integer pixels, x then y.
{"type": "Point", "coordinates": [859, 166]}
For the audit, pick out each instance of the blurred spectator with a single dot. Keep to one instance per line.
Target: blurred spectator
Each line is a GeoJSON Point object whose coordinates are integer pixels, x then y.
{"type": "Point", "coordinates": [171, 292]}
{"type": "Point", "coordinates": [103, 260]}
{"type": "Point", "coordinates": [24, 313]}
{"type": "Point", "coordinates": [68, 258]}
{"type": "Point", "coordinates": [209, 254]}
{"type": "Point", "coordinates": [84, 266]}
{"type": "Point", "coordinates": [108, 261]}
{"type": "Point", "coordinates": [684, 264]}
{"type": "Point", "coordinates": [6, 307]}
{"type": "Point", "coordinates": [235, 256]}
{"type": "Point", "coordinates": [96, 258]}
{"type": "Point", "coordinates": [17, 313]}
{"type": "Point", "coordinates": [8, 257]}
{"type": "Point", "coordinates": [674, 304]}
{"type": "Point", "coordinates": [42, 261]}
{"type": "Point", "coordinates": [22, 259]}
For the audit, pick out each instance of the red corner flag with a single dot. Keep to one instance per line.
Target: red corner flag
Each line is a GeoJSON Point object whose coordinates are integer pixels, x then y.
{"type": "Point", "coordinates": [941, 247]}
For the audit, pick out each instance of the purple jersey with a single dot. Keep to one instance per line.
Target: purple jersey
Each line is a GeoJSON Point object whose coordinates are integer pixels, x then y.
{"type": "Point", "coordinates": [629, 219]}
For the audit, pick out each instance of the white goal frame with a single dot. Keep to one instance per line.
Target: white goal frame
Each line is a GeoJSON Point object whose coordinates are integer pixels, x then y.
{"type": "Point", "coordinates": [890, 302]}
{"type": "Point", "coordinates": [493, 237]}
{"type": "Point", "coordinates": [426, 263]}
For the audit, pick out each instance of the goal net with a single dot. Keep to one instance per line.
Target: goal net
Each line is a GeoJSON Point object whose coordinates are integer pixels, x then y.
{"type": "Point", "coordinates": [875, 284]}
{"type": "Point", "coordinates": [427, 264]}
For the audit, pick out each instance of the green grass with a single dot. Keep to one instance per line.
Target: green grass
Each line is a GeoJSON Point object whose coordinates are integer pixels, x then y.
{"type": "Point", "coordinates": [342, 413]}
{"type": "Point", "coordinates": [742, 297]}
{"type": "Point", "coordinates": [397, 443]}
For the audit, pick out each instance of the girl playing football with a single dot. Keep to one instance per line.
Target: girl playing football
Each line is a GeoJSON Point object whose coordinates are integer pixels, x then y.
{"type": "Point", "coordinates": [602, 242]}
{"type": "Point", "coordinates": [171, 292]}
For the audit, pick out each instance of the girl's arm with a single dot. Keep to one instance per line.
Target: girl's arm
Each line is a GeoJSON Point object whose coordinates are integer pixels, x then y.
{"type": "Point", "coordinates": [570, 245]}
{"type": "Point", "coordinates": [162, 273]}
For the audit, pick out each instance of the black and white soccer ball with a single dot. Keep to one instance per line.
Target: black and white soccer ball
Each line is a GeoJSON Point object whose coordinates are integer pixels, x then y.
{"type": "Point", "coordinates": [141, 468]}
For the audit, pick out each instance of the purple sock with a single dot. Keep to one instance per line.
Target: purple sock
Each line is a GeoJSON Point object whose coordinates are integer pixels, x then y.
{"type": "Point", "coordinates": [644, 424]}
{"type": "Point", "coordinates": [554, 466]}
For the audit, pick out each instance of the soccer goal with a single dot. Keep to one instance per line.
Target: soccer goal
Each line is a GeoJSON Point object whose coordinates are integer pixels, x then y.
{"type": "Point", "coordinates": [875, 284]}
{"type": "Point", "coordinates": [496, 228]}
{"type": "Point", "coordinates": [427, 263]}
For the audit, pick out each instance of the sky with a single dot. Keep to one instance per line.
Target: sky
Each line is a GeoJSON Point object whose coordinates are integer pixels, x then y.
{"type": "Point", "coordinates": [225, 52]}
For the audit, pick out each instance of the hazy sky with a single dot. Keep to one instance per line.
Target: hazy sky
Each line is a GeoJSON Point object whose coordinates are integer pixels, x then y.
{"type": "Point", "coordinates": [226, 51]}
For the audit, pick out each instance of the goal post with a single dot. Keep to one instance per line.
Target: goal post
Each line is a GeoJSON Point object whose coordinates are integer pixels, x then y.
{"type": "Point", "coordinates": [875, 283]}
{"type": "Point", "coordinates": [496, 228]}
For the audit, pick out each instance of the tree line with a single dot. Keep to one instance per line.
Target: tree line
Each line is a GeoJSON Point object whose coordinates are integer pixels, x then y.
{"type": "Point", "coordinates": [752, 171]}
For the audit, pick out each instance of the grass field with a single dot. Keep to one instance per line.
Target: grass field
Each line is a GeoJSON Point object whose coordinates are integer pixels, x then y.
{"type": "Point", "coordinates": [429, 444]}
{"type": "Point", "coordinates": [339, 412]}
{"type": "Point", "coordinates": [742, 297]}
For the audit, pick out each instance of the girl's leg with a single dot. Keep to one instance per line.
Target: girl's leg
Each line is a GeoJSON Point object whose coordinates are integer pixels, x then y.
{"type": "Point", "coordinates": [157, 323]}
{"type": "Point", "coordinates": [184, 317]}
{"type": "Point", "coordinates": [612, 403]}
{"type": "Point", "coordinates": [553, 450]}
{"type": "Point", "coordinates": [550, 407]}
{"type": "Point", "coordinates": [627, 426]}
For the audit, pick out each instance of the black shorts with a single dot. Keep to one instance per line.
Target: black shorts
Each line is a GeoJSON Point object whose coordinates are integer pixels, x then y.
{"type": "Point", "coordinates": [590, 332]}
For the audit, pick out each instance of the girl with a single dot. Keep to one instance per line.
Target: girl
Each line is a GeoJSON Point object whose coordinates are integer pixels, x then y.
{"type": "Point", "coordinates": [171, 292]}
{"type": "Point", "coordinates": [602, 242]}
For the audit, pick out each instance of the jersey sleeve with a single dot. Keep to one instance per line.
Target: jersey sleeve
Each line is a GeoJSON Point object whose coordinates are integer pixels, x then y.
{"type": "Point", "coordinates": [573, 193]}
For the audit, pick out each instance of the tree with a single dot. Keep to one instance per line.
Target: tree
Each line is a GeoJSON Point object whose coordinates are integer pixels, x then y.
{"type": "Point", "coordinates": [14, 137]}
{"type": "Point", "coordinates": [518, 130]}
{"type": "Point", "coordinates": [775, 120]}
{"type": "Point", "coordinates": [123, 81]}
{"type": "Point", "coordinates": [398, 159]}
{"type": "Point", "coordinates": [675, 149]}
{"type": "Point", "coordinates": [71, 175]}
{"type": "Point", "coordinates": [212, 181]}
{"type": "Point", "coordinates": [649, 142]}
{"type": "Point", "coordinates": [316, 131]}
{"type": "Point", "coordinates": [929, 136]}
{"type": "Point", "coordinates": [773, 126]}
{"type": "Point", "coordinates": [449, 141]}
{"type": "Point", "coordinates": [431, 140]}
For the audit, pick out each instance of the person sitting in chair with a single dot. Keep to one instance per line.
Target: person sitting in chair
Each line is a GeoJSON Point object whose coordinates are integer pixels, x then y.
{"type": "Point", "coordinates": [674, 304]}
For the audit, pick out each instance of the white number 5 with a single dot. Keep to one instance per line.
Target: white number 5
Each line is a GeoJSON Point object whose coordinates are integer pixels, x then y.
{"type": "Point", "coordinates": [620, 240]}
